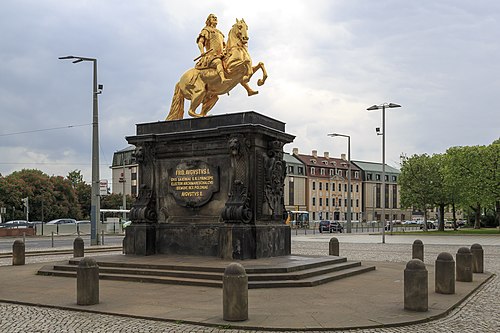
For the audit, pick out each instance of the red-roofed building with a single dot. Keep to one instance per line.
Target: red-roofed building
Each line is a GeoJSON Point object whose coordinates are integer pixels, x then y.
{"type": "Point", "coordinates": [326, 187]}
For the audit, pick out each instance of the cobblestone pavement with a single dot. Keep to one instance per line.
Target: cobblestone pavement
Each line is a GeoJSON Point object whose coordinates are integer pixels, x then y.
{"type": "Point", "coordinates": [479, 313]}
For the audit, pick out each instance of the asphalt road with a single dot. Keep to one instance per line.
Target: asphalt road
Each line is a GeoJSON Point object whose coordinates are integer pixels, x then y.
{"type": "Point", "coordinates": [45, 242]}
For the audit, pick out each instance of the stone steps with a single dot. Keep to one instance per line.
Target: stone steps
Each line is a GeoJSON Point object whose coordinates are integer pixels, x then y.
{"type": "Point", "coordinates": [307, 273]}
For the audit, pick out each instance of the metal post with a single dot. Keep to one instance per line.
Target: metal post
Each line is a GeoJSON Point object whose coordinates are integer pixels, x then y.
{"type": "Point", "coordinates": [95, 198]}
{"type": "Point", "coordinates": [383, 174]}
{"type": "Point", "coordinates": [95, 201]}
{"type": "Point", "coordinates": [349, 206]}
{"type": "Point", "coordinates": [349, 194]}
{"type": "Point", "coordinates": [378, 107]}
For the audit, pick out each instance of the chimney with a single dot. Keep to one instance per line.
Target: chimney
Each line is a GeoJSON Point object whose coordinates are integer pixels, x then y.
{"type": "Point", "coordinates": [342, 156]}
{"type": "Point", "coordinates": [326, 155]}
{"type": "Point", "coordinates": [295, 151]}
{"type": "Point", "coordinates": [315, 153]}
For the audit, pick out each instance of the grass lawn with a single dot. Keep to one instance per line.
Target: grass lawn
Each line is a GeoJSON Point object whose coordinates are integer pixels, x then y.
{"type": "Point", "coordinates": [451, 232]}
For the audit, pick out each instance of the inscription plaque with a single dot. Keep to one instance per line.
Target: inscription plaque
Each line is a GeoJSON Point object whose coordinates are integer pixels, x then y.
{"type": "Point", "coordinates": [193, 183]}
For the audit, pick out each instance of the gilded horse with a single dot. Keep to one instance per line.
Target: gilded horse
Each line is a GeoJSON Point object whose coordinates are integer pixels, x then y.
{"type": "Point", "coordinates": [202, 86]}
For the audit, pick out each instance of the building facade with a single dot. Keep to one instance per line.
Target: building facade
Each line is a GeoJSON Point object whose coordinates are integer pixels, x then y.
{"type": "Point", "coordinates": [295, 184]}
{"type": "Point", "coordinates": [327, 187]}
{"type": "Point", "coordinates": [124, 172]}
{"type": "Point", "coordinates": [373, 200]}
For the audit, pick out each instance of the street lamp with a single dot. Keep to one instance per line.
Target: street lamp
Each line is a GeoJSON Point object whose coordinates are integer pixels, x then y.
{"type": "Point", "coordinates": [95, 198]}
{"type": "Point", "coordinates": [348, 229]}
{"type": "Point", "coordinates": [383, 107]}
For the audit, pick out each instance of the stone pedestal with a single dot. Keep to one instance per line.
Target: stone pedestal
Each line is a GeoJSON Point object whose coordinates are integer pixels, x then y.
{"type": "Point", "coordinates": [210, 186]}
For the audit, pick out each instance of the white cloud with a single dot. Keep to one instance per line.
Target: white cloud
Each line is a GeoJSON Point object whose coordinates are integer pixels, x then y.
{"type": "Point", "coordinates": [327, 62]}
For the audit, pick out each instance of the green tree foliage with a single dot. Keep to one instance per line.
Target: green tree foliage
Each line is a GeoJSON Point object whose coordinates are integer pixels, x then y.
{"type": "Point", "coordinates": [423, 184]}
{"type": "Point", "coordinates": [83, 192]}
{"type": "Point", "coordinates": [49, 197]}
{"type": "Point", "coordinates": [115, 201]}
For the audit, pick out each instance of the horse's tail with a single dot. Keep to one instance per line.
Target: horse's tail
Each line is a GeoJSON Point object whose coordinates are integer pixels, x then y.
{"type": "Point", "coordinates": [177, 106]}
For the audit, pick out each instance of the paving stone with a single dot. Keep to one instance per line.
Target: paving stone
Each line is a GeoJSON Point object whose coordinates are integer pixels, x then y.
{"type": "Point", "coordinates": [479, 313]}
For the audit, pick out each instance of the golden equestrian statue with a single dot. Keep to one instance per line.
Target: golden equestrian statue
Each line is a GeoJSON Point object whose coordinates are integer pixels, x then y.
{"type": "Point", "coordinates": [219, 68]}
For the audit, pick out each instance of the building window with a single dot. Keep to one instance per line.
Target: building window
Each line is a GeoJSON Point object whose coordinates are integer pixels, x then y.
{"type": "Point", "coordinates": [320, 202]}
{"type": "Point", "coordinates": [356, 174]}
{"type": "Point", "coordinates": [340, 187]}
{"type": "Point", "coordinates": [339, 172]}
{"type": "Point", "coordinates": [357, 188]}
{"type": "Point", "coordinates": [377, 177]}
{"type": "Point", "coordinates": [326, 186]}
{"type": "Point", "coordinates": [290, 169]}
{"type": "Point", "coordinates": [314, 201]}
{"type": "Point", "coordinates": [394, 178]}
{"type": "Point", "coordinates": [291, 192]}
{"type": "Point", "coordinates": [332, 172]}
{"type": "Point", "coordinates": [345, 202]}
{"type": "Point", "coordinates": [300, 170]}
{"type": "Point", "coordinates": [357, 202]}
{"type": "Point", "coordinates": [386, 178]}
{"type": "Point", "coordinates": [345, 187]}
{"type": "Point", "coordinates": [320, 186]}
{"type": "Point", "coordinates": [394, 196]}
{"type": "Point", "coordinates": [313, 171]}
{"type": "Point", "coordinates": [322, 171]}
{"type": "Point", "coordinates": [314, 186]}
{"type": "Point", "coordinates": [369, 176]}
{"type": "Point", "coordinates": [326, 202]}
{"type": "Point", "coordinates": [340, 202]}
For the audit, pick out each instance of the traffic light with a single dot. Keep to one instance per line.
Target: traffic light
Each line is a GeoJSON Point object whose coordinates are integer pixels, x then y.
{"type": "Point", "coordinates": [25, 201]}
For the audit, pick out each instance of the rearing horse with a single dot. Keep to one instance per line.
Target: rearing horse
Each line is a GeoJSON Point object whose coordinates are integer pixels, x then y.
{"type": "Point", "coordinates": [202, 86]}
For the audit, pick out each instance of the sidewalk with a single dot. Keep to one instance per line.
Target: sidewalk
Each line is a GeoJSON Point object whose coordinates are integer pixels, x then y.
{"type": "Point", "coordinates": [372, 299]}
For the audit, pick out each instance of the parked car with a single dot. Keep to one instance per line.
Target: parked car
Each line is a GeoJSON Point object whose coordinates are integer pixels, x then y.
{"type": "Point", "coordinates": [324, 226]}
{"type": "Point", "coordinates": [19, 224]}
{"type": "Point", "coordinates": [335, 226]}
{"type": "Point", "coordinates": [62, 221]}
{"type": "Point", "coordinates": [430, 225]}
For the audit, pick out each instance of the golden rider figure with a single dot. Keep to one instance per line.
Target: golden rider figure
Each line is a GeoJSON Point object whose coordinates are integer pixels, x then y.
{"type": "Point", "coordinates": [211, 44]}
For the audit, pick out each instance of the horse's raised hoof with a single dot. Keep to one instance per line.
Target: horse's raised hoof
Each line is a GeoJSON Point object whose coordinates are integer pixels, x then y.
{"type": "Point", "coordinates": [194, 114]}
{"type": "Point", "coordinates": [253, 92]}
{"type": "Point", "coordinates": [260, 82]}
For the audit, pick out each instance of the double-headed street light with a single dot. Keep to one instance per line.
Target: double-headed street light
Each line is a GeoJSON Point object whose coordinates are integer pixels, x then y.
{"type": "Point", "coordinates": [95, 198]}
{"type": "Point", "coordinates": [383, 194]}
{"type": "Point", "coordinates": [349, 220]}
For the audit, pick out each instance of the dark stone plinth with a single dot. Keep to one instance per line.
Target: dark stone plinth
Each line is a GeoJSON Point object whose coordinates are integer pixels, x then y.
{"type": "Point", "coordinates": [210, 186]}
{"type": "Point", "coordinates": [254, 241]}
{"type": "Point", "coordinates": [140, 239]}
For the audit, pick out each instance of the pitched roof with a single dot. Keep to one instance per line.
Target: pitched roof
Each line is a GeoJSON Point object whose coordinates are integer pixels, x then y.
{"type": "Point", "coordinates": [375, 167]}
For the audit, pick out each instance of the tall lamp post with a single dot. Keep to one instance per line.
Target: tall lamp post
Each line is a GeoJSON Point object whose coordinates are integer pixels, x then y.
{"type": "Point", "coordinates": [349, 220]}
{"type": "Point", "coordinates": [95, 196]}
{"type": "Point", "coordinates": [383, 107]}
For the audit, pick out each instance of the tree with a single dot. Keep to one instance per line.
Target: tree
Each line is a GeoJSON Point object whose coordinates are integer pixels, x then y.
{"type": "Point", "coordinates": [475, 170]}
{"type": "Point", "coordinates": [83, 192]}
{"type": "Point", "coordinates": [75, 177]}
{"type": "Point", "coordinates": [420, 182]}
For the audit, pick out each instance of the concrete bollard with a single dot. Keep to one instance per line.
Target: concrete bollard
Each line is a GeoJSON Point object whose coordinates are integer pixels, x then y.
{"type": "Point", "coordinates": [464, 265]}
{"type": "Point", "coordinates": [445, 274]}
{"type": "Point", "coordinates": [334, 247]}
{"type": "Point", "coordinates": [87, 282]}
{"type": "Point", "coordinates": [235, 293]}
{"type": "Point", "coordinates": [78, 248]}
{"type": "Point", "coordinates": [477, 258]}
{"type": "Point", "coordinates": [417, 250]}
{"type": "Point", "coordinates": [18, 253]}
{"type": "Point", "coordinates": [416, 296]}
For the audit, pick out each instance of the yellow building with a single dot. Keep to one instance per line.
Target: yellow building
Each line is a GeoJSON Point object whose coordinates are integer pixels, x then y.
{"type": "Point", "coordinates": [326, 187]}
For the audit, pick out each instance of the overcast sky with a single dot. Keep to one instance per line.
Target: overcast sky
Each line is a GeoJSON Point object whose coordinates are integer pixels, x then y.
{"type": "Point", "coordinates": [327, 62]}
